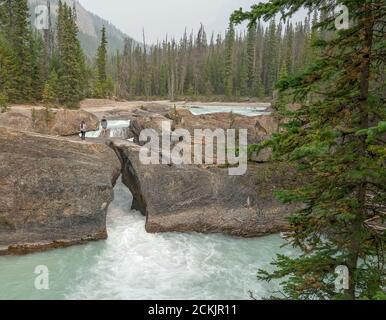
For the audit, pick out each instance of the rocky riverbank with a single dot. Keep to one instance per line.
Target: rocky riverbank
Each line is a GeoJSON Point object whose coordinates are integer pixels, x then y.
{"type": "Point", "coordinates": [54, 191]}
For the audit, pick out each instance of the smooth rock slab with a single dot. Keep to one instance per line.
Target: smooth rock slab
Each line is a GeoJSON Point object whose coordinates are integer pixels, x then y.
{"type": "Point", "coordinates": [58, 122]}
{"type": "Point", "coordinates": [192, 198]}
{"type": "Point", "coordinates": [53, 192]}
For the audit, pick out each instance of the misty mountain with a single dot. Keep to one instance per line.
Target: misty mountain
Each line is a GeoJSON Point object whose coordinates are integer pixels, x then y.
{"type": "Point", "coordinates": [89, 26]}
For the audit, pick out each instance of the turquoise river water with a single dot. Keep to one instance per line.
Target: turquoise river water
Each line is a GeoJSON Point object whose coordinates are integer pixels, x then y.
{"type": "Point", "coordinates": [133, 264]}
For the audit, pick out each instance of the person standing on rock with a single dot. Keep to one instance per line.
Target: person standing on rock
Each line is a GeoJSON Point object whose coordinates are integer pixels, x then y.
{"type": "Point", "coordinates": [83, 129]}
{"type": "Point", "coordinates": [104, 126]}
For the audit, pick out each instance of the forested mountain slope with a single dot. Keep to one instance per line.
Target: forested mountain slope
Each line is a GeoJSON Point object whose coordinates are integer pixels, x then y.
{"type": "Point", "coordinates": [89, 26]}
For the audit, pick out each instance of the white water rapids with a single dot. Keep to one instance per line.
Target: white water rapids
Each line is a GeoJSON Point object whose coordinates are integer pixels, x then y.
{"type": "Point", "coordinates": [116, 128]}
{"type": "Point", "coordinates": [133, 264]}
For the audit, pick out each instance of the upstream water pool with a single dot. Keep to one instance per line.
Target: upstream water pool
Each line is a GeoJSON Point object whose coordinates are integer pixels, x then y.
{"type": "Point", "coordinates": [133, 264]}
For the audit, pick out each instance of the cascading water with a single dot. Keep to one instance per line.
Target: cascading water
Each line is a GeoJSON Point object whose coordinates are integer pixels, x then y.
{"type": "Point", "coordinates": [133, 264]}
{"type": "Point", "coordinates": [116, 128]}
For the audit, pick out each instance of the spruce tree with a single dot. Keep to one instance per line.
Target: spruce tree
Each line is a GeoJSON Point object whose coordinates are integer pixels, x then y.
{"type": "Point", "coordinates": [242, 74]}
{"type": "Point", "coordinates": [251, 60]}
{"type": "Point", "coordinates": [101, 84]}
{"type": "Point", "coordinates": [38, 65]}
{"type": "Point", "coordinates": [8, 71]}
{"type": "Point", "coordinates": [229, 42]}
{"type": "Point", "coordinates": [51, 90]}
{"type": "Point", "coordinates": [7, 8]}
{"type": "Point", "coordinates": [21, 45]}
{"type": "Point", "coordinates": [289, 48]}
{"type": "Point", "coordinates": [71, 60]}
{"type": "Point", "coordinates": [272, 58]}
{"type": "Point", "coordinates": [337, 142]}
{"type": "Point", "coordinates": [3, 102]}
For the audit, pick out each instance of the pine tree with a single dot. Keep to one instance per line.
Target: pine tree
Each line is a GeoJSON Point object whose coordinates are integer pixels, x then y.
{"type": "Point", "coordinates": [124, 71]}
{"type": "Point", "coordinates": [38, 65]}
{"type": "Point", "coordinates": [230, 38]}
{"type": "Point", "coordinates": [251, 57]}
{"type": "Point", "coordinates": [272, 58]}
{"type": "Point", "coordinates": [71, 71]}
{"type": "Point", "coordinates": [102, 87]}
{"type": "Point", "coordinates": [51, 90]}
{"type": "Point", "coordinates": [8, 71]}
{"type": "Point", "coordinates": [290, 56]}
{"type": "Point", "coordinates": [7, 8]}
{"type": "Point", "coordinates": [308, 50]}
{"type": "Point", "coordinates": [337, 142]}
{"type": "Point", "coordinates": [21, 45]}
{"type": "Point", "coordinates": [242, 72]}
{"type": "Point", "coordinates": [3, 102]}
{"type": "Point", "coordinates": [102, 57]}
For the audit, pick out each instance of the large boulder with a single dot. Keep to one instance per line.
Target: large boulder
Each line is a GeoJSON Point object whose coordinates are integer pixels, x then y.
{"type": "Point", "coordinates": [16, 120]}
{"type": "Point", "coordinates": [53, 192]}
{"type": "Point", "coordinates": [67, 122]}
{"type": "Point", "coordinates": [61, 122]}
{"type": "Point", "coordinates": [145, 120]}
{"type": "Point", "coordinates": [259, 128]}
{"type": "Point", "coordinates": [188, 198]}
{"type": "Point", "coordinates": [162, 109]}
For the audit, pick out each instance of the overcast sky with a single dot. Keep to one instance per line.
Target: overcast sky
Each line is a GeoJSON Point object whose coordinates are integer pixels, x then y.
{"type": "Point", "coordinates": [161, 17]}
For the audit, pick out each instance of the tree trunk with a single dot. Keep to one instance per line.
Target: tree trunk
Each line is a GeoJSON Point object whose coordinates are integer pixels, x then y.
{"type": "Point", "coordinates": [368, 27]}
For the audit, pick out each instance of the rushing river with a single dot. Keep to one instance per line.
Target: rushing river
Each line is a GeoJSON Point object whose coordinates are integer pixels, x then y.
{"type": "Point", "coordinates": [242, 110]}
{"type": "Point", "coordinates": [133, 264]}
{"type": "Point", "coordinates": [115, 127]}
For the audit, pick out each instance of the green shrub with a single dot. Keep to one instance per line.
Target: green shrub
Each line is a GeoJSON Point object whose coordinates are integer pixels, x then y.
{"type": "Point", "coordinates": [3, 102]}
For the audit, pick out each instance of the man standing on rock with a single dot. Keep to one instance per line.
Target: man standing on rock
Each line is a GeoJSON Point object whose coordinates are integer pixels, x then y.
{"type": "Point", "coordinates": [83, 129]}
{"type": "Point", "coordinates": [104, 126]}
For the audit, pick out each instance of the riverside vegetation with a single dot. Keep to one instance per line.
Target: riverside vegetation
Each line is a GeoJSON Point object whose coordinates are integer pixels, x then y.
{"type": "Point", "coordinates": [336, 138]}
